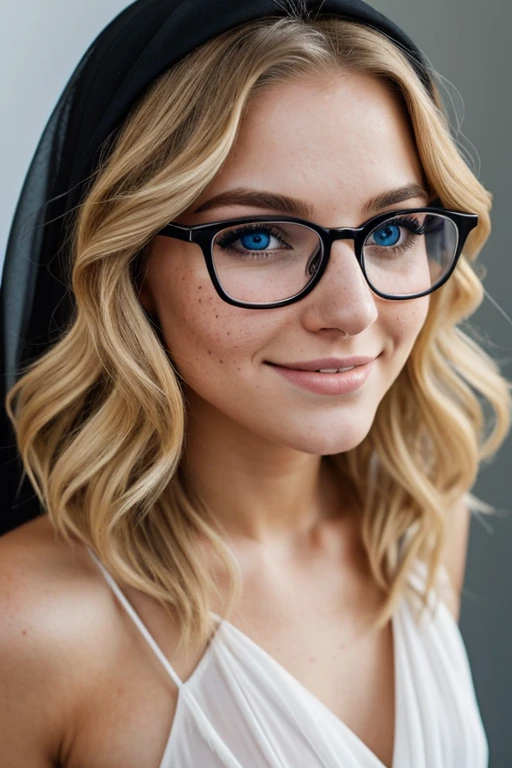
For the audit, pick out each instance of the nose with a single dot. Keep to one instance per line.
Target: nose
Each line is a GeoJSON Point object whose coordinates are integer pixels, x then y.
{"type": "Point", "coordinates": [342, 298]}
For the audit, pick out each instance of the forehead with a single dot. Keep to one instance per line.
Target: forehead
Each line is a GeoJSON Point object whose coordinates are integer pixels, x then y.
{"type": "Point", "coordinates": [347, 138]}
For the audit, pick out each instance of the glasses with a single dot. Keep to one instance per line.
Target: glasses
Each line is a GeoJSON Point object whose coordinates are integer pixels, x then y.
{"type": "Point", "coordinates": [263, 262]}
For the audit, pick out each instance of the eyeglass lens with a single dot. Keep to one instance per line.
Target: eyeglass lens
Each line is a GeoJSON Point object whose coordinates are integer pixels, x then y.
{"type": "Point", "coordinates": [263, 262]}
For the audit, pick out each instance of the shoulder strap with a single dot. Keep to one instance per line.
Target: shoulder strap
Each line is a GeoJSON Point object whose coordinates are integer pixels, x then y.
{"type": "Point", "coordinates": [137, 620]}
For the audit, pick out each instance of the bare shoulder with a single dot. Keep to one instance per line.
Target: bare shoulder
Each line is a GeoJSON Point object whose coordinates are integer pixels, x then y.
{"type": "Point", "coordinates": [51, 603]}
{"type": "Point", "coordinates": [42, 576]}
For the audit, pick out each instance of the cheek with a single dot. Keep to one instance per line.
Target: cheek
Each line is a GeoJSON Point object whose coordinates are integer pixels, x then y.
{"type": "Point", "coordinates": [403, 321]}
{"type": "Point", "coordinates": [205, 335]}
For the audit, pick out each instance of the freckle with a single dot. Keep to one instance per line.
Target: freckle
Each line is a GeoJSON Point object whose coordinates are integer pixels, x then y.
{"type": "Point", "coordinates": [23, 631]}
{"type": "Point", "coordinates": [209, 351]}
{"type": "Point", "coordinates": [217, 317]}
{"type": "Point", "coordinates": [182, 279]}
{"type": "Point", "coordinates": [200, 301]}
{"type": "Point", "coordinates": [229, 333]}
{"type": "Point", "coordinates": [312, 658]}
{"type": "Point", "coordinates": [200, 287]}
{"type": "Point", "coordinates": [221, 361]}
{"type": "Point", "coordinates": [238, 369]}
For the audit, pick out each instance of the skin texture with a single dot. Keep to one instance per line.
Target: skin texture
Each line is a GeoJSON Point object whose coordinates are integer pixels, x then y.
{"type": "Point", "coordinates": [255, 441]}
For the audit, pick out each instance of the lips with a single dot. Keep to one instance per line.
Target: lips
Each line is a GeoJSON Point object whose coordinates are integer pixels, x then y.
{"type": "Point", "coordinates": [326, 363]}
{"type": "Point", "coordinates": [326, 383]}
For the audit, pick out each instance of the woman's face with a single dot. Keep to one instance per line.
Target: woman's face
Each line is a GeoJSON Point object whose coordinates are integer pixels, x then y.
{"type": "Point", "coordinates": [335, 146]}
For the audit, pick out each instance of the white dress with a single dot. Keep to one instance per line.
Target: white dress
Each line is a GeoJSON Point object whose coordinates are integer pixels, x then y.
{"type": "Point", "coordinates": [241, 709]}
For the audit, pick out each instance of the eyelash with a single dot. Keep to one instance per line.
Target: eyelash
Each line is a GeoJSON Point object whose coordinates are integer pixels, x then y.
{"type": "Point", "coordinates": [408, 222]}
{"type": "Point", "coordinates": [234, 235]}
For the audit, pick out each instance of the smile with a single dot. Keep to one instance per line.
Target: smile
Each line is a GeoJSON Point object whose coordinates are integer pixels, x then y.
{"type": "Point", "coordinates": [326, 381]}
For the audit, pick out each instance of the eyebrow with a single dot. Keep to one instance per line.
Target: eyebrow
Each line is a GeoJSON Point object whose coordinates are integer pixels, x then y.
{"type": "Point", "coordinates": [293, 206]}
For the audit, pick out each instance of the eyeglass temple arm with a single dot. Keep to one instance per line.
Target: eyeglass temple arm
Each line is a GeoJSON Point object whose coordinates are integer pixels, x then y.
{"type": "Point", "coordinates": [175, 230]}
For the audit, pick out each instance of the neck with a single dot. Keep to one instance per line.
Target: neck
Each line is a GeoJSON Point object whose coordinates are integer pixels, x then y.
{"type": "Point", "coordinates": [265, 495]}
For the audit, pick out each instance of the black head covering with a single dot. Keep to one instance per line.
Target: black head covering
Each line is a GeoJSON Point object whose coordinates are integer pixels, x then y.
{"type": "Point", "coordinates": [141, 43]}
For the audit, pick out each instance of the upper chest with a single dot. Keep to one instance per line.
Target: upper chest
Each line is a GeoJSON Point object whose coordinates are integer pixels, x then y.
{"type": "Point", "coordinates": [312, 622]}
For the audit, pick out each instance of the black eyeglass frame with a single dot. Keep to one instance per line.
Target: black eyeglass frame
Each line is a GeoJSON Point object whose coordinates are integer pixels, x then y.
{"type": "Point", "coordinates": [204, 234]}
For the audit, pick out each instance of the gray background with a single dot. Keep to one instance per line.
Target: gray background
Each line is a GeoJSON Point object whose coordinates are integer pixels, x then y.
{"type": "Point", "coordinates": [468, 42]}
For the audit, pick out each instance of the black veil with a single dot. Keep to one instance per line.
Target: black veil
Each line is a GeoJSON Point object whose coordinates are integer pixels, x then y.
{"type": "Point", "coordinates": [142, 42]}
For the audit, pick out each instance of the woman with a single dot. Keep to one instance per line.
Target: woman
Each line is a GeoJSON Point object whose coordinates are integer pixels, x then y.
{"type": "Point", "coordinates": [261, 413]}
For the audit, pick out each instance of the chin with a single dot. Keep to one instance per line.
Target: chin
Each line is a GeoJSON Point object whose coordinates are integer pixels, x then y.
{"type": "Point", "coordinates": [326, 440]}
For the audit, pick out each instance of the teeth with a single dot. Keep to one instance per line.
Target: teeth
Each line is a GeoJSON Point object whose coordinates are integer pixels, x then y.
{"type": "Point", "coordinates": [335, 370]}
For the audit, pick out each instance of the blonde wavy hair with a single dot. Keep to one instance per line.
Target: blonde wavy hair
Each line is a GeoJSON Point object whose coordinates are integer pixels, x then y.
{"type": "Point", "coordinates": [100, 419]}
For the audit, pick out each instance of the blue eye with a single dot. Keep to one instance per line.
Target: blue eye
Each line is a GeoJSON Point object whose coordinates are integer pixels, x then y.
{"type": "Point", "coordinates": [388, 235]}
{"type": "Point", "coordinates": [258, 240]}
